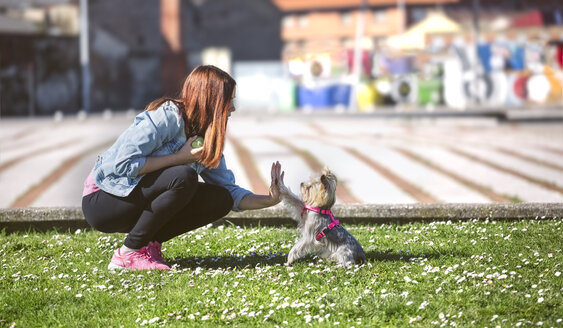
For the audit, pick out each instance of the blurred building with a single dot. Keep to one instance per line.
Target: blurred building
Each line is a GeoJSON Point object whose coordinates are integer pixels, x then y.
{"type": "Point", "coordinates": [148, 54]}
{"type": "Point", "coordinates": [328, 28]}
{"type": "Point", "coordinates": [494, 54]}
{"type": "Point", "coordinates": [284, 54]}
{"type": "Point", "coordinates": [320, 28]}
{"type": "Point", "coordinates": [39, 70]}
{"type": "Point", "coordinates": [139, 50]}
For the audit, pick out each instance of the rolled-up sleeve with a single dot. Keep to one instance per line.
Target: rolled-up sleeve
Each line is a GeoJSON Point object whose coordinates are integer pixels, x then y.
{"type": "Point", "coordinates": [134, 166]}
{"type": "Point", "coordinates": [224, 177]}
{"type": "Point", "coordinates": [150, 130]}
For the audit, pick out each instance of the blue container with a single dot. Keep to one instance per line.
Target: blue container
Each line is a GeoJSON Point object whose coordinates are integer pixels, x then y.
{"type": "Point", "coordinates": [340, 94]}
{"type": "Point", "coordinates": [318, 97]}
{"type": "Point", "coordinates": [325, 96]}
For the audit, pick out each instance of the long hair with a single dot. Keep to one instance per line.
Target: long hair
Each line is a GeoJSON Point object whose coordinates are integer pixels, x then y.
{"type": "Point", "coordinates": [204, 103]}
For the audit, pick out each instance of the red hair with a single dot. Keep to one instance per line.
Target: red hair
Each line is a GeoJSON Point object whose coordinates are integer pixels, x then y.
{"type": "Point", "coordinates": [204, 104]}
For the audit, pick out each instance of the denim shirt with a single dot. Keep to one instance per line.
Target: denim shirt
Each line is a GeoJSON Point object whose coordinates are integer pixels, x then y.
{"type": "Point", "coordinates": [158, 132]}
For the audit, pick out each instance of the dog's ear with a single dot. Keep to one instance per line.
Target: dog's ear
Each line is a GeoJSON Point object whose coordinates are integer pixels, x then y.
{"type": "Point", "coordinates": [328, 177]}
{"type": "Point", "coordinates": [325, 182]}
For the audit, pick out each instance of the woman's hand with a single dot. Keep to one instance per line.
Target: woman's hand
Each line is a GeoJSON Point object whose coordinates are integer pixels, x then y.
{"type": "Point", "coordinates": [187, 154]}
{"type": "Point", "coordinates": [253, 201]}
{"type": "Point", "coordinates": [277, 178]}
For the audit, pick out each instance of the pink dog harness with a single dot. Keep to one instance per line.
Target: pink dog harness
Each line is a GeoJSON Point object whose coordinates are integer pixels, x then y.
{"type": "Point", "coordinates": [331, 226]}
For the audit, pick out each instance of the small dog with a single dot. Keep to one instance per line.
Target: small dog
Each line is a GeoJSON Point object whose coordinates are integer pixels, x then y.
{"type": "Point", "coordinates": [321, 233]}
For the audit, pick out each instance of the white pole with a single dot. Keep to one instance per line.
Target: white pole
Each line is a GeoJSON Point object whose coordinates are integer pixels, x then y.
{"type": "Point", "coordinates": [357, 63]}
{"type": "Point", "coordinates": [84, 56]}
{"type": "Point", "coordinates": [402, 15]}
{"type": "Point", "coordinates": [31, 89]}
{"type": "Point", "coordinates": [476, 87]}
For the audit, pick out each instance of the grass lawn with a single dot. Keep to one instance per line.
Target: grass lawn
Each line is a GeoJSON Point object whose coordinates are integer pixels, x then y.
{"type": "Point", "coordinates": [480, 273]}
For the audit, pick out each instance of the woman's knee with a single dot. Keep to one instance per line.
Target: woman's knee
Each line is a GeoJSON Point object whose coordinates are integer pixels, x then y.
{"type": "Point", "coordinates": [182, 176]}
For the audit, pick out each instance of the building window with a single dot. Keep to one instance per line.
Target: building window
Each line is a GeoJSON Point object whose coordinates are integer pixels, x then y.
{"type": "Point", "coordinates": [347, 43]}
{"type": "Point", "coordinates": [301, 45]}
{"type": "Point", "coordinates": [288, 48]}
{"type": "Point", "coordinates": [303, 20]}
{"type": "Point", "coordinates": [379, 16]}
{"type": "Point", "coordinates": [346, 18]}
{"type": "Point", "coordinates": [418, 14]}
{"type": "Point", "coordinates": [288, 21]}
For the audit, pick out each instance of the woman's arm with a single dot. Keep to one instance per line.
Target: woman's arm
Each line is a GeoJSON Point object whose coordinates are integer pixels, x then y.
{"type": "Point", "coordinates": [149, 131]}
{"type": "Point", "coordinates": [253, 201]}
{"type": "Point", "coordinates": [185, 155]}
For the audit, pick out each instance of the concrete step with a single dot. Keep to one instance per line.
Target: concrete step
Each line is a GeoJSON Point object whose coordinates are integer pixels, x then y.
{"type": "Point", "coordinates": [71, 218]}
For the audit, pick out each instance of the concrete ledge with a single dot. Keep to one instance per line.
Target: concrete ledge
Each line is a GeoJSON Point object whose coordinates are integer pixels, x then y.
{"type": "Point", "coordinates": [70, 218]}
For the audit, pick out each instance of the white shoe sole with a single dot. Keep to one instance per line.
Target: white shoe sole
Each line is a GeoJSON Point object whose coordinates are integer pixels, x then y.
{"type": "Point", "coordinates": [113, 266]}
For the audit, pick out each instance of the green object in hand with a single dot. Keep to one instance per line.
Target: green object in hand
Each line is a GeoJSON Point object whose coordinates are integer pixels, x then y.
{"type": "Point", "coordinates": [198, 142]}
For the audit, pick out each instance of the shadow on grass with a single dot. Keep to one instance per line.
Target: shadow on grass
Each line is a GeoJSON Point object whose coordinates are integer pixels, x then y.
{"type": "Point", "coordinates": [255, 260]}
{"type": "Point", "coordinates": [231, 261]}
{"type": "Point", "coordinates": [396, 256]}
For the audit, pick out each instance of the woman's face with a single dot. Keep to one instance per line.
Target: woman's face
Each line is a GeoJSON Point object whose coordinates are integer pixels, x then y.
{"type": "Point", "coordinates": [232, 104]}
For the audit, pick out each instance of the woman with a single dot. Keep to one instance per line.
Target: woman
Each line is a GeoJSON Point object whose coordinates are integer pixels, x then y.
{"type": "Point", "coordinates": [146, 183]}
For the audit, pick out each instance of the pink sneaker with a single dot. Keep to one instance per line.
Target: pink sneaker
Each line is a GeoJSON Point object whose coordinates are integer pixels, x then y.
{"type": "Point", "coordinates": [138, 260]}
{"type": "Point", "coordinates": [155, 251]}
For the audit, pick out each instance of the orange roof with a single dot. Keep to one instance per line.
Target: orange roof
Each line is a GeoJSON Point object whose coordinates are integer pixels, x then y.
{"type": "Point", "coordinates": [290, 5]}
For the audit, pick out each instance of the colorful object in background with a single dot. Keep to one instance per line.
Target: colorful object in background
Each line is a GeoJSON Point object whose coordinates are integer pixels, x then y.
{"type": "Point", "coordinates": [340, 94]}
{"type": "Point", "coordinates": [430, 92]}
{"type": "Point", "coordinates": [484, 52]}
{"type": "Point", "coordinates": [516, 92]}
{"type": "Point", "coordinates": [383, 86]}
{"type": "Point", "coordinates": [313, 97]}
{"type": "Point", "coordinates": [529, 19]}
{"type": "Point", "coordinates": [538, 88]}
{"type": "Point", "coordinates": [499, 89]}
{"type": "Point", "coordinates": [404, 89]}
{"type": "Point", "coordinates": [555, 83]}
{"type": "Point", "coordinates": [502, 78]}
{"type": "Point", "coordinates": [461, 86]}
{"type": "Point", "coordinates": [477, 89]}
{"type": "Point", "coordinates": [516, 59]}
{"type": "Point", "coordinates": [367, 96]}
{"type": "Point", "coordinates": [366, 59]}
{"type": "Point", "coordinates": [398, 66]}
{"type": "Point", "coordinates": [324, 96]}
{"type": "Point", "coordinates": [285, 95]}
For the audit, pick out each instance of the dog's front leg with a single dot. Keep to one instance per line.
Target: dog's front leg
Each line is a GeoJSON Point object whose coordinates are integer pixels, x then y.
{"type": "Point", "coordinates": [297, 251]}
{"type": "Point", "coordinates": [289, 197]}
{"type": "Point", "coordinates": [292, 202]}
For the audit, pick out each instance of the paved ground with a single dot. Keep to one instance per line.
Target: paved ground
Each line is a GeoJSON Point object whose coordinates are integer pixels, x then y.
{"type": "Point", "coordinates": [43, 162]}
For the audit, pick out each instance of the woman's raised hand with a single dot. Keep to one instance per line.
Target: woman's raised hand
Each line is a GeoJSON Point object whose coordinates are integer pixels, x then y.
{"type": "Point", "coordinates": [277, 178]}
{"type": "Point", "coordinates": [187, 153]}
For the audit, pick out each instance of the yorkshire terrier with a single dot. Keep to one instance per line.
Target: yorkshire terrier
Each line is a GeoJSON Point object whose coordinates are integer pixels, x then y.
{"type": "Point", "coordinates": [321, 233]}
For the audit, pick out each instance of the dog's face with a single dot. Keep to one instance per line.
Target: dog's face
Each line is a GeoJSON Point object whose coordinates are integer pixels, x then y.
{"type": "Point", "coordinates": [320, 192]}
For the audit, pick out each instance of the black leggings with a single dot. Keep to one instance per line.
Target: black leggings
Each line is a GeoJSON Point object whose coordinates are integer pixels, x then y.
{"type": "Point", "coordinates": [166, 203]}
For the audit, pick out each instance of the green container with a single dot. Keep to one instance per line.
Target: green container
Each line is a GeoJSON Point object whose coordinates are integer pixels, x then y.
{"type": "Point", "coordinates": [286, 94]}
{"type": "Point", "coordinates": [430, 92]}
